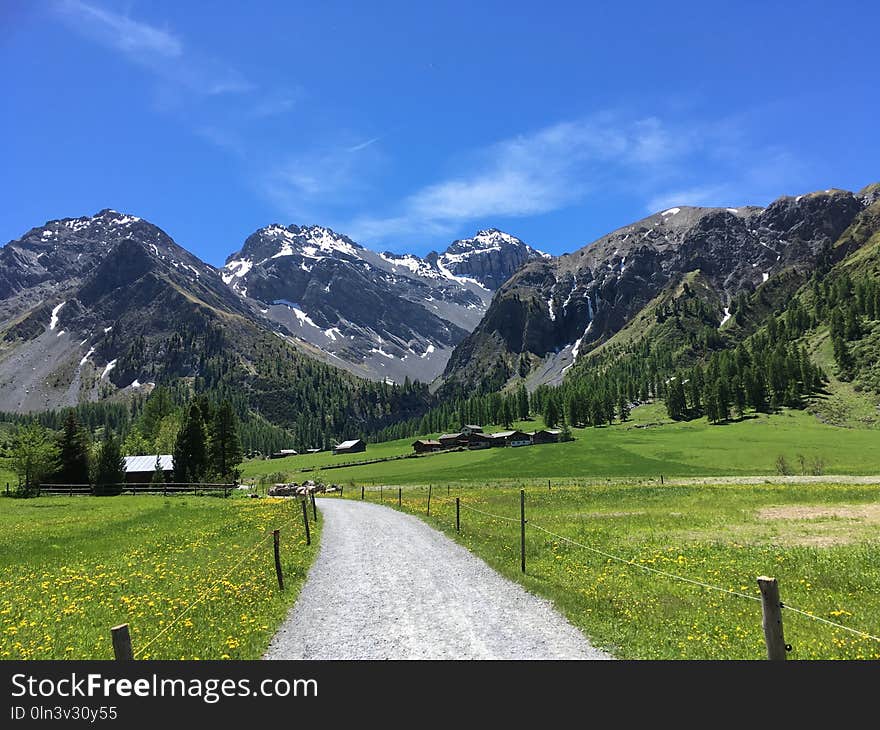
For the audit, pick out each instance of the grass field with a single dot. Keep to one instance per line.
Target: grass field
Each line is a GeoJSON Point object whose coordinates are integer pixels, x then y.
{"type": "Point", "coordinates": [822, 542]}
{"type": "Point", "coordinates": [646, 446]}
{"type": "Point", "coordinates": [70, 568]}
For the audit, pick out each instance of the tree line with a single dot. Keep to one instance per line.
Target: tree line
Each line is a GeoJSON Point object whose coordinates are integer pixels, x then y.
{"type": "Point", "coordinates": [205, 446]}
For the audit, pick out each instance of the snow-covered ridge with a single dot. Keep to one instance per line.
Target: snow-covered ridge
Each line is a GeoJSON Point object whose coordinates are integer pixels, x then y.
{"type": "Point", "coordinates": [312, 242]}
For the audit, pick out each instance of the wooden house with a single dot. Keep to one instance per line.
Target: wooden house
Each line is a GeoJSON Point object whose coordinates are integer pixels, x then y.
{"type": "Point", "coordinates": [353, 446]}
{"type": "Point", "coordinates": [426, 446]}
{"type": "Point", "coordinates": [546, 436]}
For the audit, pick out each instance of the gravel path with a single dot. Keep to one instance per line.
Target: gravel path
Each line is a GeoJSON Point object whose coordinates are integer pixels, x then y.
{"type": "Point", "coordinates": [387, 586]}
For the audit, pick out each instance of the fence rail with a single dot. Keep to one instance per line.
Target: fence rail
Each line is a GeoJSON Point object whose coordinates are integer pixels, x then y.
{"type": "Point", "coordinates": [772, 606]}
{"type": "Point", "coordinates": [127, 487]}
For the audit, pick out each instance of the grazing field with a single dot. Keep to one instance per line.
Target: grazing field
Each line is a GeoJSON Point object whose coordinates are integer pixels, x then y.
{"type": "Point", "coordinates": [646, 446]}
{"type": "Point", "coordinates": [70, 568]}
{"type": "Point", "coordinates": [822, 542]}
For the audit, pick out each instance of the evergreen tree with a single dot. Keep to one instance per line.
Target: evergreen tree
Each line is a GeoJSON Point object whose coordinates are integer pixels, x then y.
{"type": "Point", "coordinates": [676, 406]}
{"type": "Point", "coordinates": [522, 402]}
{"type": "Point", "coordinates": [190, 448]}
{"type": "Point", "coordinates": [225, 446]}
{"type": "Point", "coordinates": [109, 467]}
{"type": "Point", "coordinates": [623, 407]}
{"type": "Point", "coordinates": [551, 414]}
{"type": "Point", "coordinates": [158, 478]}
{"type": "Point", "coordinates": [73, 453]}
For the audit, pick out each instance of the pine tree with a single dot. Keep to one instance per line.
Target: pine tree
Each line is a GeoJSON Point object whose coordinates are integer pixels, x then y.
{"type": "Point", "coordinates": [623, 407]}
{"type": "Point", "coordinates": [190, 448]}
{"type": "Point", "coordinates": [551, 415]}
{"type": "Point", "coordinates": [158, 478]}
{"type": "Point", "coordinates": [676, 405]}
{"type": "Point", "coordinates": [225, 446]}
{"type": "Point", "coordinates": [109, 467]}
{"type": "Point", "coordinates": [522, 402]}
{"type": "Point", "coordinates": [73, 453]}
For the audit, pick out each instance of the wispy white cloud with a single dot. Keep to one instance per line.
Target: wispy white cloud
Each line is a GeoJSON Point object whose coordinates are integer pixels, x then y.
{"type": "Point", "coordinates": [133, 38]}
{"type": "Point", "coordinates": [531, 174]}
{"type": "Point", "coordinates": [362, 145]}
{"type": "Point", "coordinates": [664, 163]}
{"type": "Point", "coordinates": [159, 50]}
{"type": "Point", "coordinates": [316, 185]}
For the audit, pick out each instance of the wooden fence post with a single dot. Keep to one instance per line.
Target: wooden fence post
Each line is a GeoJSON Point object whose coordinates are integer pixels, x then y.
{"type": "Point", "coordinates": [429, 500]}
{"type": "Point", "coordinates": [276, 539]}
{"type": "Point", "coordinates": [314, 508]}
{"type": "Point", "coordinates": [381, 494]}
{"type": "Point", "coordinates": [548, 486]}
{"type": "Point", "coordinates": [121, 642]}
{"type": "Point", "coordinates": [522, 528]}
{"type": "Point", "coordinates": [362, 491]}
{"type": "Point", "coordinates": [458, 514]}
{"type": "Point", "coordinates": [772, 618]}
{"type": "Point", "coordinates": [306, 523]}
{"type": "Point", "coordinates": [400, 496]}
{"type": "Point", "coordinates": [340, 489]}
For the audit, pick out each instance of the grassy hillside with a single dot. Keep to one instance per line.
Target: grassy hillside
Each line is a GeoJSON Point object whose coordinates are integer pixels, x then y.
{"type": "Point", "coordinates": [646, 446]}
{"type": "Point", "coordinates": [822, 542]}
{"type": "Point", "coordinates": [70, 568]}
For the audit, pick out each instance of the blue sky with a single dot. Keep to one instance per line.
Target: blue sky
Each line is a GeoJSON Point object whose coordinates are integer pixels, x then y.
{"type": "Point", "coordinates": [407, 125]}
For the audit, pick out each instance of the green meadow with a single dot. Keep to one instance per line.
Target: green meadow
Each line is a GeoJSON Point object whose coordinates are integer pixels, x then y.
{"type": "Point", "coordinates": [646, 446]}
{"type": "Point", "coordinates": [821, 542]}
{"type": "Point", "coordinates": [194, 577]}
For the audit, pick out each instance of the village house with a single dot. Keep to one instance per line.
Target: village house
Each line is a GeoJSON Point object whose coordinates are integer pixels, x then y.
{"type": "Point", "coordinates": [478, 441]}
{"type": "Point", "coordinates": [451, 440]}
{"type": "Point", "coordinates": [511, 438]}
{"type": "Point", "coordinates": [470, 428]}
{"type": "Point", "coordinates": [546, 436]}
{"type": "Point", "coordinates": [353, 446]}
{"type": "Point", "coordinates": [426, 446]}
{"type": "Point", "coordinates": [139, 469]}
{"type": "Point", "coordinates": [282, 453]}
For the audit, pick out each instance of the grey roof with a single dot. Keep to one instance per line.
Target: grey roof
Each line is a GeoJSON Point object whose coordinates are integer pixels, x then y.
{"type": "Point", "coordinates": [348, 444]}
{"type": "Point", "coordinates": [472, 426]}
{"type": "Point", "coordinates": [502, 434]}
{"type": "Point", "coordinates": [148, 463]}
{"type": "Point", "coordinates": [448, 436]}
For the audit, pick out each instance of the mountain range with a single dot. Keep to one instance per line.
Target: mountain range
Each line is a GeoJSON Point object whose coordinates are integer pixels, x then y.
{"type": "Point", "coordinates": [97, 307]}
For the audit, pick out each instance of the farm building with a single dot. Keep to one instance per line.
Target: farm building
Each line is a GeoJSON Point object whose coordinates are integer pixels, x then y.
{"type": "Point", "coordinates": [478, 441]}
{"type": "Point", "coordinates": [511, 438]}
{"type": "Point", "coordinates": [546, 436]}
{"type": "Point", "coordinates": [426, 446]}
{"type": "Point", "coordinates": [139, 469]}
{"type": "Point", "coordinates": [353, 446]}
{"type": "Point", "coordinates": [451, 440]}
{"type": "Point", "coordinates": [282, 453]}
{"type": "Point", "coordinates": [471, 428]}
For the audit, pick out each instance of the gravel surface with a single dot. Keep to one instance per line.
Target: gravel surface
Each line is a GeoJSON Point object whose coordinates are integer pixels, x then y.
{"type": "Point", "coordinates": [387, 586]}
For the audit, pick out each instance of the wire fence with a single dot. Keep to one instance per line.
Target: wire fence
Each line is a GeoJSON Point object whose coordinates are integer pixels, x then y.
{"type": "Point", "coordinates": [217, 580]}
{"type": "Point", "coordinates": [523, 523]}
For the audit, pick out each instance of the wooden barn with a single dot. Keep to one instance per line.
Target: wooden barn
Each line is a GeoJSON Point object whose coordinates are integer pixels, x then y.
{"type": "Point", "coordinates": [426, 446]}
{"type": "Point", "coordinates": [353, 446]}
{"type": "Point", "coordinates": [139, 469]}
{"type": "Point", "coordinates": [546, 436]}
{"type": "Point", "coordinates": [470, 428]}
{"type": "Point", "coordinates": [282, 453]}
{"type": "Point", "coordinates": [451, 440]}
{"type": "Point", "coordinates": [478, 441]}
{"type": "Point", "coordinates": [511, 438]}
